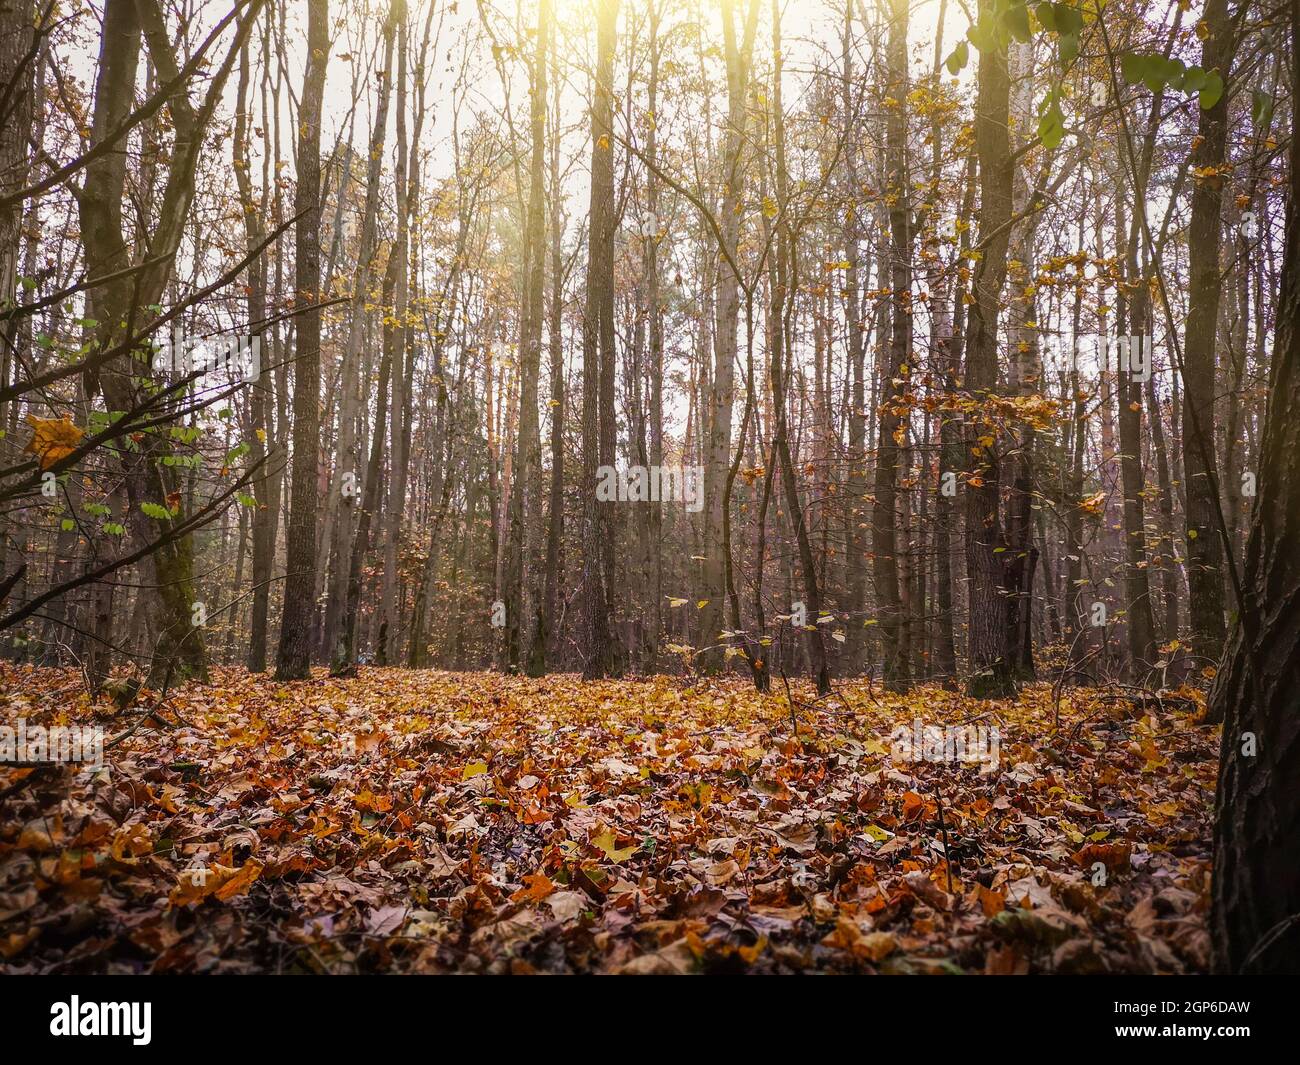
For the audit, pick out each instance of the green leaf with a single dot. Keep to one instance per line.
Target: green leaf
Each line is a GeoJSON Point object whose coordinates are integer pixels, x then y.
{"type": "Point", "coordinates": [1069, 49]}
{"type": "Point", "coordinates": [960, 56]}
{"type": "Point", "coordinates": [1051, 124]}
{"type": "Point", "coordinates": [1069, 21]}
{"type": "Point", "coordinates": [1133, 67]}
{"type": "Point", "coordinates": [1195, 79]}
{"type": "Point", "coordinates": [155, 511]}
{"type": "Point", "coordinates": [1261, 110]}
{"type": "Point", "coordinates": [1017, 21]}
{"type": "Point", "coordinates": [1213, 91]}
{"type": "Point", "coordinates": [983, 35]}
{"type": "Point", "coordinates": [1172, 71]}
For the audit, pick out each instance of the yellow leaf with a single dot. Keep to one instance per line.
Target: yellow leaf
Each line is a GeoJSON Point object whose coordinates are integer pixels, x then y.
{"type": "Point", "coordinates": [240, 882]}
{"type": "Point", "coordinates": [54, 439]}
{"type": "Point", "coordinates": [218, 881]}
{"type": "Point", "coordinates": [474, 769]}
{"type": "Point", "coordinates": [606, 842]}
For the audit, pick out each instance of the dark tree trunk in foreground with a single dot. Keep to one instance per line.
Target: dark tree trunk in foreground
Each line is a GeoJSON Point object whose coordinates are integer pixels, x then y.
{"type": "Point", "coordinates": [1256, 894]}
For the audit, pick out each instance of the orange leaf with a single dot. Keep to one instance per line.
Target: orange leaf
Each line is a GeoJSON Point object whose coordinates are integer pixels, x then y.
{"type": "Point", "coordinates": [53, 439]}
{"type": "Point", "coordinates": [536, 887]}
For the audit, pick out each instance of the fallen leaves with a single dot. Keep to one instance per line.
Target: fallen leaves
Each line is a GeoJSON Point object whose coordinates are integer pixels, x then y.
{"type": "Point", "coordinates": [431, 821]}
{"type": "Point", "coordinates": [217, 881]}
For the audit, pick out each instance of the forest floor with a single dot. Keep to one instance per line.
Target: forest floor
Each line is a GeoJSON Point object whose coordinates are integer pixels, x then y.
{"type": "Point", "coordinates": [437, 822]}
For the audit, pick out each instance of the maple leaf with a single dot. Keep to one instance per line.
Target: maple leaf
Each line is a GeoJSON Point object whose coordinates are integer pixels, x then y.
{"type": "Point", "coordinates": [537, 886]}
{"type": "Point", "coordinates": [607, 841]}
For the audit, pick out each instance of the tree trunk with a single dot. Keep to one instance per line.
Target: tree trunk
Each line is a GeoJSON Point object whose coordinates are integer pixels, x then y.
{"type": "Point", "coordinates": [891, 427]}
{"type": "Point", "coordinates": [991, 674]}
{"type": "Point", "coordinates": [1255, 917]}
{"type": "Point", "coordinates": [555, 515]}
{"type": "Point", "coordinates": [720, 399]}
{"type": "Point", "coordinates": [294, 659]}
{"type": "Point", "coordinates": [1205, 551]}
{"type": "Point", "coordinates": [525, 620]}
{"type": "Point", "coordinates": [598, 353]}
{"type": "Point", "coordinates": [347, 492]}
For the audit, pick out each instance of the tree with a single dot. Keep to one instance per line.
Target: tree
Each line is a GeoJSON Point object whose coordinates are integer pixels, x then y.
{"type": "Point", "coordinates": [1205, 549]}
{"type": "Point", "coordinates": [152, 485]}
{"type": "Point", "coordinates": [891, 427]}
{"type": "Point", "coordinates": [721, 397]}
{"type": "Point", "coordinates": [525, 617]}
{"type": "Point", "coordinates": [294, 662]}
{"type": "Point", "coordinates": [1256, 889]}
{"type": "Point", "coordinates": [348, 494]}
{"type": "Point", "coordinates": [598, 354]}
{"type": "Point", "coordinates": [990, 666]}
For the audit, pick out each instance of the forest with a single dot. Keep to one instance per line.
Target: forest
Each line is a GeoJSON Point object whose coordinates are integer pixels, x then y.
{"type": "Point", "coordinates": [649, 486]}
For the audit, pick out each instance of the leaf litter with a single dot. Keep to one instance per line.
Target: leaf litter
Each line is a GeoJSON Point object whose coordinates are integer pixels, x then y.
{"type": "Point", "coordinates": [424, 821]}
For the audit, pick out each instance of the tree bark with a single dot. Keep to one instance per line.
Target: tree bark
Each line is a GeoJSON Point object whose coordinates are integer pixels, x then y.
{"type": "Point", "coordinates": [1205, 550]}
{"type": "Point", "coordinates": [294, 657]}
{"type": "Point", "coordinates": [598, 354]}
{"type": "Point", "coordinates": [525, 618]}
{"type": "Point", "coordinates": [991, 674]}
{"type": "Point", "coordinates": [1255, 917]}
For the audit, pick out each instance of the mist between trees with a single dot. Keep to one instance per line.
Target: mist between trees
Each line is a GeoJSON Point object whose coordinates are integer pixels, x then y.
{"type": "Point", "coordinates": [619, 338]}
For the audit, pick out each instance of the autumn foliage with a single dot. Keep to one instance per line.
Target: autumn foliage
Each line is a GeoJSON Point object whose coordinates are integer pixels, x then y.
{"type": "Point", "coordinates": [442, 822]}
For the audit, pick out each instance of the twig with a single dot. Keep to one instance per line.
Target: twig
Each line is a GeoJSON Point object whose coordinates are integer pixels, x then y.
{"type": "Point", "coordinates": [943, 828]}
